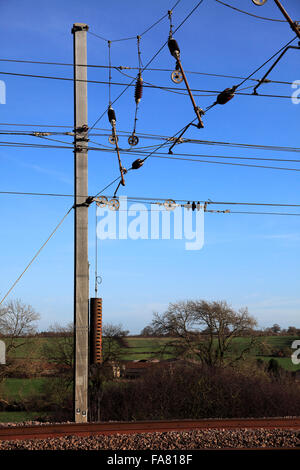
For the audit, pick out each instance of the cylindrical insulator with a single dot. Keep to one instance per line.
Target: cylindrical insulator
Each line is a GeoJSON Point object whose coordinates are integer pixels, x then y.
{"type": "Point", "coordinates": [138, 90]}
{"type": "Point", "coordinates": [137, 164]}
{"type": "Point", "coordinates": [173, 47]}
{"type": "Point", "coordinates": [111, 114]}
{"type": "Point", "coordinates": [95, 331]}
{"type": "Point", "coordinates": [225, 96]}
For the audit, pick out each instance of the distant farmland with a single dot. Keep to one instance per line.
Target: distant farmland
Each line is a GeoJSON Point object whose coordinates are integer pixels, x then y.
{"type": "Point", "coordinates": [142, 348]}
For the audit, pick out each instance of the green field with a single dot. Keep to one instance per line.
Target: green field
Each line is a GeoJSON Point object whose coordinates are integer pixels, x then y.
{"type": "Point", "coordinates": [18, 389]}
{"type": "Point", "coordinates": [149, 348]}
{"type": "Point", "coordinates": [19, 416]}
{"type": "Point", "coordinates": [30, 347]}
{"type": "Point", "coordinates": [145, 348]}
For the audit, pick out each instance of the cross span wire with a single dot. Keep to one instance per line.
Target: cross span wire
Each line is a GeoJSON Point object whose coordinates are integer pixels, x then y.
{"type": "Point", "coordinates": [148, 63]}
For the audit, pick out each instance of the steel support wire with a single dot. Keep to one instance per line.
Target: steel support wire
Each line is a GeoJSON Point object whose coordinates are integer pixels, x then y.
{"type": "Point", "coordinates": [178, 139]}
{"type": "Point", "coordinates": [272, 67]}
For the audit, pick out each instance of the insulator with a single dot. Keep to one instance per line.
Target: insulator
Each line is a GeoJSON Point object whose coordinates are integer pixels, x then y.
{"type": "Point", "coordinates": [138, 90]}
{"type": "Point", "coordinates": [137, 164]}
{"type": "Point", "coordinates": [111, 114]}
{"type": "Point", "coordinates": [226, 95]}
{"type": "Point", "coordinates": [193, 206]}
{"type": "Point", "coordinates": [173, 47]}
{"type": "Point", "coordinates": [95, 330]}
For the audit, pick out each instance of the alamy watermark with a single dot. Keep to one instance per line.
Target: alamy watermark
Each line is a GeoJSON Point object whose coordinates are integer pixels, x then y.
{"type": "Point", "coordinates": [296, 94]}
{"type": "Point", "coordinates": [2, 92]}
{"type": "Point", "coordinates": [296, 354]}
{"type": "Point", "coordinates": [2, 352]}
{"type": "Point", "coordinates": [136, 221]}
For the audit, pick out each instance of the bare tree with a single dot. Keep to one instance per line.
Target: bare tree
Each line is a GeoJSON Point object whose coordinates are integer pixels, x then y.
{"type": "Point", "coordinates": [17, 320]}
{"type": "Point", "coordinates": [275, 329]}
{"type": "Point", "coordinates": [60, 349]}
{"type": "Point", "coordinates": [205, 330]}
{"type": "Point", "coordinates": [148, 331]}
{"type": "Point", "coordinates": [113, 343]}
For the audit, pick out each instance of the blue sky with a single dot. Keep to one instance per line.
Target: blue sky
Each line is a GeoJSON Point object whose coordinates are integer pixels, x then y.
{"type": "Point", "coordinates": [247, 260]}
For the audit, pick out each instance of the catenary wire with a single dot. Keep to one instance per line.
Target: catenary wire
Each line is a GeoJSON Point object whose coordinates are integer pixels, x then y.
{"type": "Point", "coordinates": [266, 62]}
{"type": "Point", "coordinates": [165, 156]}
{"type": "Point", "coordinates": [142, 34]}
{"type": "Point", "coordinates": [161, 156]}
{"type": "Point", "coordinates": [147, 65]}
{"type": "Point", "coordinates": [250, 14]}
{"type": "Point", "coordinates": [149, 69]}
{"type": "Point", "coordinates": [169, 138]}
{"type": "Point", "coordinates": [151, 200]}
{"type": "Point", "coordinates": [131, 84]}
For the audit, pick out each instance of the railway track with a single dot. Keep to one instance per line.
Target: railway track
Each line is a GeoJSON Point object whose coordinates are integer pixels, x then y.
{"type": "Point", "coordinates": [109, 428]}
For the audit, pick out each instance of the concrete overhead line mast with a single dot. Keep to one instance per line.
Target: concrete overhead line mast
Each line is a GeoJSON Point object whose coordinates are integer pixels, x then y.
{"type": "Point", "coordinates": [81, 266]}
{"type": "Point", "coordinates": [88, 344]}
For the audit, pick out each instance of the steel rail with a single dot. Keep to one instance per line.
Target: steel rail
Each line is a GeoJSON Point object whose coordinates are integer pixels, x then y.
{"type": "Point", "coordinates": [109, 428]}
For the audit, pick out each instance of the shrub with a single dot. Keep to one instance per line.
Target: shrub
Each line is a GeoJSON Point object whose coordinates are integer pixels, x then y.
{"type": "Point", "coordinates": [194, 392]}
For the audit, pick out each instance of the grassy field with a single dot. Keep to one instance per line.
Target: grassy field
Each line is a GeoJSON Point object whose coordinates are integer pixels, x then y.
{"type": "Point", "coordinates": [18, 389]}
{"type": "Point", "coordinates": [145, 348]}
{"type": "Point", "coordinates": [30, 347]}
{"type": "Point", "coordinates": [138, 348]}
{"type": "Point", "coordinates": [19, 416]}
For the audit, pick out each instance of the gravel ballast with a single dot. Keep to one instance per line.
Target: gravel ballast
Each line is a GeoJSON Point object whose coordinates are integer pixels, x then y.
{"type": "Point", "coordinates": [192, 440]}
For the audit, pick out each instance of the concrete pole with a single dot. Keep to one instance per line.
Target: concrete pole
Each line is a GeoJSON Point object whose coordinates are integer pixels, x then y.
{"type": "Point", "coordinates": [81, 267]}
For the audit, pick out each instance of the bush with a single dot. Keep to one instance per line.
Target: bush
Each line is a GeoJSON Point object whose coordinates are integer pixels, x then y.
{"type": "Point", "coordinates": [194, 392]}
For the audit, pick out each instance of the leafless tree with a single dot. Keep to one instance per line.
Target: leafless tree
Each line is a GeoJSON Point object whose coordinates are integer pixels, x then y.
{"type": "Point", "coordinates": [17, 320]}
{"type": "Point", "coordinates": [60, 348]}
{"type": "Point", "coordinates": [205, 330]}
{"type": "Point", "coordinates": [113, 343]}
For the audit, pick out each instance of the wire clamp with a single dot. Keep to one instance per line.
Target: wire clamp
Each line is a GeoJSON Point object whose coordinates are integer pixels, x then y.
{"type": "Point", "coordinates": [79, 149]}
{"type": "Point", "coordinates": [41, 134]}
{"type": "Point", "coordinates": [80, 129]}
